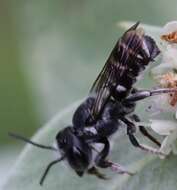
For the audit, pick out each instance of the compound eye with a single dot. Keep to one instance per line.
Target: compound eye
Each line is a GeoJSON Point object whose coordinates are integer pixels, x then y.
{"type": "Point", "coordinates": [62, 143]}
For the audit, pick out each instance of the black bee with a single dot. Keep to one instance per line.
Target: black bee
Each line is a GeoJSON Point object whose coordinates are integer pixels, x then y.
{"type": "Point", "coordinates": [110, 104]}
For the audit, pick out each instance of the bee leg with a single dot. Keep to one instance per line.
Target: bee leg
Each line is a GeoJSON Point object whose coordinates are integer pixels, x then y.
{"type": "Point", "coordinates": [146, 148]}
{"type": "Point", "coordinates": [115, 167]}
{"type": "Point", "coordinates": [130, 132]}
{"type": "Point", "coordinates": [134, 117]}
{"type": "Point", "coordinates": [102, 162]}
{"type": "Point", "coordinates": [143, 130]}
{"type": "Point", "coordinates": [148, 135]}
{"type": "Point", "coordinates": [94, 171]}
{"type": "Point", "coordinates": [101, 155]}
{"type": "Point", "coordinates": [142, 94]}
{"type": "Point", "coordinates": [100, 158]}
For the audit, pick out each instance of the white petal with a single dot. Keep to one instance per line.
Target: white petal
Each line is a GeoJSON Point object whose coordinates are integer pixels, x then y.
{"type": "Point", "coordinates": [169, 27]}
{"type": "Point", "coordinates": [168, 143]}
{"type": "Point", "coordinates": [169, 61]}
{"type": "Point", "coordinates": [169, 56]}
{"type": "Point", "coordinates": [160, 104]}
{"type": "Point", "coordinates": [176, 115]}
{"type": "Point", "coordinates": [161, 69]}
{"type": "Point", "coordinates": [163, 127]}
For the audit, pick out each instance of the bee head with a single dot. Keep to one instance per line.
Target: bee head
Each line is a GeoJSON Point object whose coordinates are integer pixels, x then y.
{"type": "Point", "coordinates": [65, 138]}
{"type": "Point", "coordinates": [77, 151]}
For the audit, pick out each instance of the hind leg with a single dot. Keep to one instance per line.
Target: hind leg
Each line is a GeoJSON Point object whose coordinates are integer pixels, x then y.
{"type": "Point", "coordinates": [131, 129]}
{"type": "Point", "coordinates": [143, 130]}
{"type": "Point", "coordinates": [148, 135]}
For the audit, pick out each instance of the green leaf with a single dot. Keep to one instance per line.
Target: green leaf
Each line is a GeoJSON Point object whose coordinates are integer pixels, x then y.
{"type": "Point", "coordinates": [156, 175]}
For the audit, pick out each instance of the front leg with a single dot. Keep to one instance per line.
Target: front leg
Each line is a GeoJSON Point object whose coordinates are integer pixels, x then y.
{"type": "Point", "coordinates": [142, 94]}
{"type": "Point", "coordinates": [94, 171]}
{"type": "Point", "coordinates": [102, 161]}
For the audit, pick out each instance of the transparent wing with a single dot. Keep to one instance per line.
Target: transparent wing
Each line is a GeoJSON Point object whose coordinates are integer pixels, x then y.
{"type": "Point", "coordinates": [122, 56]}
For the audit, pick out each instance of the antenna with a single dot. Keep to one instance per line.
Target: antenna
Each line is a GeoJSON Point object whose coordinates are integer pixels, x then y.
{"type": "Point", "coordinates": [19, 137]}
{"type": "Point", "coordinates": [48, 168]}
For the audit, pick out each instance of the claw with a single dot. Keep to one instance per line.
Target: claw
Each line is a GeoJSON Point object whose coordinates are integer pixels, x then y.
{"type": "Point", "coordinates": [119, 169]}
{"type": "Point", "coordinates": [96, 172]}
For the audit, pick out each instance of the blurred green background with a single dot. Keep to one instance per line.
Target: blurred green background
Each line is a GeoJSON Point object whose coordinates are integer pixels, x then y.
{"type": "Point", "coordinates": [51, 52]}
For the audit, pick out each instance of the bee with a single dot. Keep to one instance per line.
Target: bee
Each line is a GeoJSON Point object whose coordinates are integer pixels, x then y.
{"type": "Point", "coordinates": [110, 104]}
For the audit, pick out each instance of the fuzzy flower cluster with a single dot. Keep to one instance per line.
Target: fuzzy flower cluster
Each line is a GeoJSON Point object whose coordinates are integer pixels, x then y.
{"type": "Point", "coordinates": [165, 76]}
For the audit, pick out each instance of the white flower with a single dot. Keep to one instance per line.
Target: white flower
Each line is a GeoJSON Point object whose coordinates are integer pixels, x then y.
{"type": "Point", "coordinates": [169, 61]}
{"type": "Point", "coordinates": [169, 51]}
{"type": "Point", "coordinates": [165, 76]}
{"type": "Point", "coordinates": [160, 104]}
{"type": "Point", "coordinates": [170, 27]}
